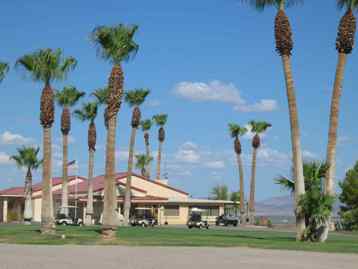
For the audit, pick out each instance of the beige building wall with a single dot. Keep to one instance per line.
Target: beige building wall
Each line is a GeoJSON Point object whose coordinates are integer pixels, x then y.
{"type": "Point", "coordinates": [154, 189]}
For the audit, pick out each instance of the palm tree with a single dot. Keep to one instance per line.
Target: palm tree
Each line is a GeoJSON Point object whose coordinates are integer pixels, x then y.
{"type": "Point", "coordinates": [315, 203]}
{"type": "Point", "coordinates": [220, 192]}
{"type": "Point", "coordinates": [134, 98]}
{"type": "Point", "coordinates": [160, 120]}
{"type": "Point", "coordinates": [143, 162]}
{"type": "Point", "coordinates": [284, 47]}
{"type": "Point", "coordinates": [89, 113]}
{"type": "Point", "coordinates": [146, 125]}
{"type": "Point", "coordinates": [344, 46]}
{"type": "Point", "coordinates": [27, 158]}
{"type": "Point", "coordinates": [236, 131]}
{"type": "Point", "coordinates": [4, 68]}
{"type": "Point", "coordinates": [101, 96]}
{"type": "Point", "coordinates": [115, 44]}
{"type": "Point", "coordinates": [256, 127]}
{"type": "Point", "coordinates": [66, 99]}
{"type": "Point", "coordinates": [47, 65]}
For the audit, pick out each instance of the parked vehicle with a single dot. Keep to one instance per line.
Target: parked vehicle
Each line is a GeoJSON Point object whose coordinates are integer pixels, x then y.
{"type": "Point", "coordinates": [143, 217]}
{"type": "Point", "coordinates": [227, 220]}
{"type": "Point", "coordinates": [196, 221]}
{"type": "Point", "coordinates": [62, 219]}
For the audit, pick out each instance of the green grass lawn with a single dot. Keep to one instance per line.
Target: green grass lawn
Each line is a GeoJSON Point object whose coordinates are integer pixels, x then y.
{"type": "Point", "coordinates": [272, 239]}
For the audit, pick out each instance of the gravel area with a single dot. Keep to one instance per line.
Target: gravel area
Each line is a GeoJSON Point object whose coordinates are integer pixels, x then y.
{"type": "Point", "coordinates": [103, 257]}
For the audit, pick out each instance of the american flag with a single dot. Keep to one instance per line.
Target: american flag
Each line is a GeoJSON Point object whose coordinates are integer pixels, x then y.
{"type": "Point", "coordinates": [71, 163]}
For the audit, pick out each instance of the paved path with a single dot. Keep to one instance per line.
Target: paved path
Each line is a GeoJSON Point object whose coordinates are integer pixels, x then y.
{"type": "Point", "coordinates": [120, 257]}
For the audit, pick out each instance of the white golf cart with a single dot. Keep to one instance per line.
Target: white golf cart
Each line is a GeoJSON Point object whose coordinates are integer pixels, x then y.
{"type": "Point", "coordinates": [143, 217]}
{"type": "Point", "coordinates": [195, 219]}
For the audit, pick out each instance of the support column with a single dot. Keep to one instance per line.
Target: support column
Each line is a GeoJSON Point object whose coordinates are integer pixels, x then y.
{"type": "Point", "coordinates": [4, 210]}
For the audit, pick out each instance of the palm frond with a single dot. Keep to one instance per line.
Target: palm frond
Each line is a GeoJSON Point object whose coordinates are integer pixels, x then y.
{"type": "Point", "coordinates": [146, 124]}
{"type": "Point", "coordinates": [69, 96]}
{"type": "Point", "coordinates": [46, 65]}
{"type": "Point", "coordinates": [160, 119]}
{"type": "Point", "coordinates": [115, 43]}
{"type": "Point", "coordinates": [348, 4]}
{"type": "Point", "coordinates": [27, 157]}
{"type": "Point", "coordinates": [101, 95]}
{"type": "Point", "coordinates": [136, 97]}
{"type": "Point", "coordinates": [285, 183]}
{"type": "Point", "coordinates": [260, 5]}
{"type": "Point", "coordinates": [88, 112]}
{"type": "Point", "coordinates": [4, 68]}
{"type": "Point", "coordinates": [236, 130]}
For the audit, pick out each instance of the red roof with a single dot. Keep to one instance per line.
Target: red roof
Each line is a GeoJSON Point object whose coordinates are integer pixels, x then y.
{"type": "Point", "coordinates": [98, 185]}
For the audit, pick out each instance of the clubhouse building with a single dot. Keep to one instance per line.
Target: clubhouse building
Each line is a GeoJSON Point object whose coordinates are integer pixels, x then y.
{"type": "Point", "coordinates": [167, 204]}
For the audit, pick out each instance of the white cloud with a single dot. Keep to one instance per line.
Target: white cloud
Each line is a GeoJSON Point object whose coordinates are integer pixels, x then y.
{"type": "Point", "coordinates": [215, 164]}
{"type": "Point", "coordinates": [308, 155]}
{"type": "Point", "coordinates": [122, 155]}
{"type": "Point", "coordinates": [9, 138]}
{"type": "Point", "coordinates": [152, 103]}
{"type": "Point", "coordinates": [222, 92]}
{"type": "Point", "coordinates": [5, 159]}
{"type": "Point", "coordinates": [269, 157]}
{"type": "Point", "coordinates": [188, 153]}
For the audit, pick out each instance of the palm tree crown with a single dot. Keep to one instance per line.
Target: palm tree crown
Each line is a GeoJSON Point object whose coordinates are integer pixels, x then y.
{"type": "Point", "coordinates": [160, 119]}
{"type": "Point", "coordinates": [236, 130]}
{"type": "Point", "coordinates": [4, 68]}
{"type": "Point", "coordinates": [88, 112]}
{"type": "Point", "coordinates": [146, 124]}
{"type": "Point", "coordinates": [47, 65]}
{"type": "Point", "coordinates": [143, 161]}
{"type": "Point", "coordinates": [349, 4]}
{"type": "Point", "coordinates": [69, 96]}
{"type": "Point", "coordinates": [262, 4]}
{"type": "Point", "coordinates": [136, 97]}
{"type": "Point", "coordinates": [101, 95]}
{"type": "Point", "coordinates": [259, 127]}
{"type": "Point", "coordinates": [115, 43]}
{"type": "Point", "coordinates": [27, 157]}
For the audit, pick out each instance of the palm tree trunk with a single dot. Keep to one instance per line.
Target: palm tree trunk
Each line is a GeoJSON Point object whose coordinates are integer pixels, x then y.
{"type": "Point", "coordinates": [242, 192]}
{"type": "Point", "coordinates": [332, 134]}
{"type": "Point", "coordinates": [64, 200]}
{"type": "Point", "coordinates": [110, 198]}
{"type": "Point", "coordinates": [127, 196]}
{"type": "Point", "coordinates": [148, 153]}
{"type": "Point", "coordinates": [252, 187]}
{"type": "Point", "coordinates": [159, 159]}
{"type": "Point", "coordinates": [47, 219]}
{"type": "Point", "coordinates": [89, 207]}
{"type": "Point", "coordinates": [28, 197]}
{"type": "Point", "coordinates": [296, 146]}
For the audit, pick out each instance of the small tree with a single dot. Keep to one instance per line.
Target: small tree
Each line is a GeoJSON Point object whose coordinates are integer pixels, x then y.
{"type": "Point", "coordinates": [143, 162]}
{"type": "Point", "coordinates": [27, 158]}
{"type": "Point", "coordinates": [220, 192]}
{"type": "Point", "coordinates": [349, 198]}
{"type": "Point", "coordinates": [316, 205]}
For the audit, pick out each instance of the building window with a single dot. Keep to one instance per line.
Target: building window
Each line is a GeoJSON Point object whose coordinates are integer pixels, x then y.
{"type": "Point", "coordinates": [171, 210]}
{"type": "Point", "coordinates": [208, 211]}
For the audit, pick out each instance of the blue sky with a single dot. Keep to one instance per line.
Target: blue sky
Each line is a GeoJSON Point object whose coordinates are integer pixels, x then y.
{"type": "Point", "coordinates": [207, 63]}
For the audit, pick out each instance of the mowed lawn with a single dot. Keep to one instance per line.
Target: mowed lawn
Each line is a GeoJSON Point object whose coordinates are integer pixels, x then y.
{"type": "Point", "coordinates": [171, 236]}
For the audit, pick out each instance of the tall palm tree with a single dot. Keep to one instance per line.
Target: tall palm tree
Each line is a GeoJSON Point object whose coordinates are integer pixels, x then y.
{"type": "Point", "coordinates": [115, 44]}
{"type": "Point", "coordinates": [101, 96]}
{"type": "Point", "coordinates": [146, 125]}
{"type": "Point", "coordinates": [66, 99]}
{"type": "Point", "coordinates": [47, 65]}
{"type": "Point", "coordinates": [4, 68]}
{"type": "Point", "coordinates": [134, 98]}
{"type": "Point", "coordinates": [344, 45]}
{"type": "Point", "coordinates": [284, 47]}
{"type": "Point", "coordinates": [256, 127]}
{"type": "Point", "coordinates": [88, 112]}
{"type": "Point", "coordinates": [27, 158]}
{"type": "Point", "coordinates": [220, 192]}
{"type": "Point", "coordinates": [160, 120]}
{"type": "Point", "coordinates": [143, 162]}
{"type": "Point", "coordinates": [236, 131]}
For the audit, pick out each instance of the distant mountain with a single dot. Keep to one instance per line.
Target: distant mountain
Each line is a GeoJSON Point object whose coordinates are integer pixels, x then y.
{"type": "Point", "coordinates": [281, 206]}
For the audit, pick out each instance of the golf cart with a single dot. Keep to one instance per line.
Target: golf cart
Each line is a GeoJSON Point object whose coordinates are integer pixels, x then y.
{"type": "Point", "coordinates": [196, 221]}
{"type": "Point", "coordinates": [62, 219]}
{"type": "Point", "coordinates": [227, 220]}
{"type": "Point", "coordinates": [143, 217]}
